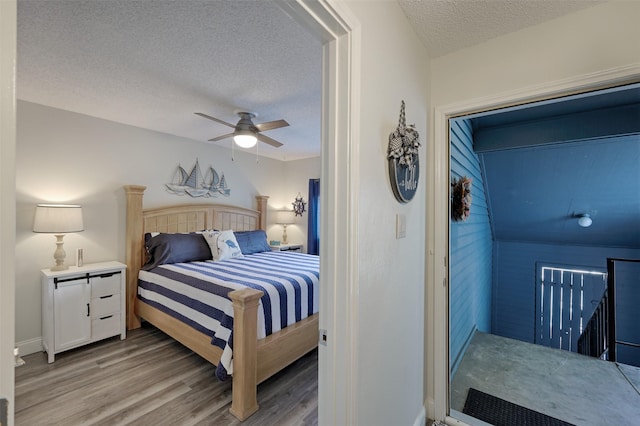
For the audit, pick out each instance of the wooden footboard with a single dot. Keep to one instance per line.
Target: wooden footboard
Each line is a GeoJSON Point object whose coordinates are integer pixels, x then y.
{"type": "Point", "coordinates": [244, 399]}
{"type": "Point", "coordinates": [256, 360]}
{"type": "Point", "coordinates": [253, 360]}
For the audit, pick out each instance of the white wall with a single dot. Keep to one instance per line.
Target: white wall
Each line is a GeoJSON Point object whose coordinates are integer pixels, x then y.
{"type": "Point", "coordinates": [390, 305]}
{"type": "Point", "coordinates": [73, 158]}
{"type": "Point", "coordinates": [594, 39]}
{"type": "Point", "coordinates": [540, 59]}
{"type": "Point", "coordinates": [297, 175]}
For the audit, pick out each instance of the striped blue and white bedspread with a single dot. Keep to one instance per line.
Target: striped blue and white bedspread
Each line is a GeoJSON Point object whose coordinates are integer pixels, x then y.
{"type": "Point", "coordinates": [196, 293]}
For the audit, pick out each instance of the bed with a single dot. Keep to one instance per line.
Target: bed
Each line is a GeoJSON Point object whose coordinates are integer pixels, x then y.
{"type": "Point", "coordinates": [254, 359]}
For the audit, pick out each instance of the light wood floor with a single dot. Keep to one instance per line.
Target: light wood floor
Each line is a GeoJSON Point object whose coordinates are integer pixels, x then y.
{"type": "Point", "coordinates": [149, 379]}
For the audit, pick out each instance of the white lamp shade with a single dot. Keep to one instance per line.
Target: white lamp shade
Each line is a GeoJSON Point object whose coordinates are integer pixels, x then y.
{"type": "Point", "coordinates": [58, 218]}
{"type": "Point", "coordinates": [245, 138]}
{"type": "Point", "coordinates": [284, 217]}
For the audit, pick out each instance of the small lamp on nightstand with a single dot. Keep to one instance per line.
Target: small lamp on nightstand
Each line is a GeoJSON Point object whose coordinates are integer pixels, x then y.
{"type": "Point", "coordinates": [58, 219]}
{"type": "Point", "coordinates": [284, 218]}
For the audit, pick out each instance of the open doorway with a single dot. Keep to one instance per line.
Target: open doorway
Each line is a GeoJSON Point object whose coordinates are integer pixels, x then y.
{"type": "Point", "coordinates": [334, 30]}
{"type": "Point", "coordinates": [522, 215]}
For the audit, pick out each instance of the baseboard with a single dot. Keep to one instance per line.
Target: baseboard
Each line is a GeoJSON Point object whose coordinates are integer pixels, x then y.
{"type": "Point", "coordinates": [421, 420]}
{"type": "Point", "coordinates": [31, 346]}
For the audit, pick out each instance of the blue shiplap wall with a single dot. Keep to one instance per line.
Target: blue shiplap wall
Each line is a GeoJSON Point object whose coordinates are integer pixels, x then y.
{"type": "Point", "coordinates": [515, 280]}
{"type": "Point", "coordinates": [471, 250]}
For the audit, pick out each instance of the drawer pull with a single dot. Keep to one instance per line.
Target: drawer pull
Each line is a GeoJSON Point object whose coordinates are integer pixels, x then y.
{"type": "Point", "coordinates": [106, 297]}
{"type": "Point", "coordinates": [88, 310]}
{"type": "Point", "coordinates": [107, 317]}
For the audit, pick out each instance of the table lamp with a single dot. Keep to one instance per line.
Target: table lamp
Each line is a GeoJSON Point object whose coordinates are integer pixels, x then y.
{"type": "Point", "coordinates": [284, 218]}
{"type": "Point", "coordinates": [58, 219]}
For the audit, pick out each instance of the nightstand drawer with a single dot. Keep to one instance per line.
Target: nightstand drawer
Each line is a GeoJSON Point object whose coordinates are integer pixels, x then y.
{"type": "Point", "coordinates": [105, 305]}
{"type": "Point", "coordinates": [105, 326]}
{"type": "Point", "coordinates": [105, 285]}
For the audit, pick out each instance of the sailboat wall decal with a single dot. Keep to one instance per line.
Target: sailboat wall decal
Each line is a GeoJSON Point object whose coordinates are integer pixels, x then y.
{"type": "Point", "coordinates": [195, 184]}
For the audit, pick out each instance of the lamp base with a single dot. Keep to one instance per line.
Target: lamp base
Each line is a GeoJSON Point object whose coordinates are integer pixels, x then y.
{"type": "Point", "coordinates": [59, 255]}
{"type": "Point", "coordinates": [284, 235]}
{"type": "Point", "coordinates": [59, 268]}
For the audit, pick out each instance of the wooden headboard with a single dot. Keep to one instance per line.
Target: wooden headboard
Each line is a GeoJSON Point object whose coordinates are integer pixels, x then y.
{"type": "Point", "coordinates": [173, 219]}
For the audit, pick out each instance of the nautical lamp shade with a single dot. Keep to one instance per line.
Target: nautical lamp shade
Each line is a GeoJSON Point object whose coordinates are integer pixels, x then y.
{"type": "Point", "coordinates": [58, 218]}
{"type": "Point", "coordinates": [285, 217]}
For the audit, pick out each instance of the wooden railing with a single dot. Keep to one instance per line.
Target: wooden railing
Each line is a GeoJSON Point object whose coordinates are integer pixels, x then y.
{"type": "Point", "coordinates": [594, 339]}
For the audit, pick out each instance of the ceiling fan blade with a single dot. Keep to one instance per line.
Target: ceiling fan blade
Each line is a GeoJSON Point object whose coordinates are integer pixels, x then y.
{"type": "Point", "coordinates": [219, 138]}
{"type": "Point", "coordinates": [217, 120]}
{"type": "Point", "coordinates": [269, 141]}
{"type": "Point", "coordinates": [270, 125]}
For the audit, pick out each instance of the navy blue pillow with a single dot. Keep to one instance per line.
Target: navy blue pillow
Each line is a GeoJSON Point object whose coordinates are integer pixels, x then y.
{"type": "Point", "coordinates": [175, 248]}
{"type": "Point", "coordinates": [252, 241]}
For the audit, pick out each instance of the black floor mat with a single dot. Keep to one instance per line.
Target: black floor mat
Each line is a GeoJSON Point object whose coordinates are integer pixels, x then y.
{"type": "Point", "coordinates": [499, 412]}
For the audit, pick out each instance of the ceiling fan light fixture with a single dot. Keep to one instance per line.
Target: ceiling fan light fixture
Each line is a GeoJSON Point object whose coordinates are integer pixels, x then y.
{"type": "Point", "coordinates": [245, 133]}
{"type": "Point", "coordinates": [585, 221]}
{"type": "Point", "coordinates": [245, 138]}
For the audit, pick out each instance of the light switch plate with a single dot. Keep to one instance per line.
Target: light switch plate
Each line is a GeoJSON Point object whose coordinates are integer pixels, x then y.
{"type": "Point", "coordinates": [401, 226]}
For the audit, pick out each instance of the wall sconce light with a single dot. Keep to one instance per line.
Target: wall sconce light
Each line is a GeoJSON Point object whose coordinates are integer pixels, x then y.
{"type": "Point", "coordinates": [585, 220]}
{"type": "Point", "coordinates": [58, 219]}
{"type": "Point", "coordinates": [284, 218]}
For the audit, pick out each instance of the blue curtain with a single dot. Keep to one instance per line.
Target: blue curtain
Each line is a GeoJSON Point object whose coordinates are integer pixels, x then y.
{"type": "Point", "coordinates": [313, 231]}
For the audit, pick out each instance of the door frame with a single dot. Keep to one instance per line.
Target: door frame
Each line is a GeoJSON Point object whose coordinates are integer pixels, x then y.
{"type": "Point", "coordinates": [339, 31]}
{"type": "Point", "coordinates": [8, 36]}
{"type": "Point", "coordinates": [437, 330]}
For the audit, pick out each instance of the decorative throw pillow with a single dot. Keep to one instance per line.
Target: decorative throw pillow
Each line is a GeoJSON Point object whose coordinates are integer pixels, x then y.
{"type": "Point", "coordinates": [175, 248]}
{"type": "Point", "coordinates": [252, 241]}
{"type": "Point", "coordinates": [223, 244]}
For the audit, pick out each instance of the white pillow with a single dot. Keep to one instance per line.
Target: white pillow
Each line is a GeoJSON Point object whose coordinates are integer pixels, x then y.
{"type": "Point", "coordinates": [223, 244]}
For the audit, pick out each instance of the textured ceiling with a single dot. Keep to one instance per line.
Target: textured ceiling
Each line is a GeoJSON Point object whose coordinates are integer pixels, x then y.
{"type": "Point", "coordinates": [152, 64]}
{"type": "Point", "coordinates": [445, 26]}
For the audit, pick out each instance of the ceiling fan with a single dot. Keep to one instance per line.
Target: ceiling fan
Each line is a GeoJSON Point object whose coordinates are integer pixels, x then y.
{"type": "Point", "coordinates": [246, 134]}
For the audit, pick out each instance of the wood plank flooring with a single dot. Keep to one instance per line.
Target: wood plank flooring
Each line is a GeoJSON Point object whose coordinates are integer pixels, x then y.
{"type": "Point", "coordinates": [149, 379]}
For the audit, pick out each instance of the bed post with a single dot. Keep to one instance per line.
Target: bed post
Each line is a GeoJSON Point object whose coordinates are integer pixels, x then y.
{"type": "Point", "coordinates": [244, 399]}
{"type": "Point", "coordinates": [133, 249]}
{"type": "Point", "coordinates": [262, 208]}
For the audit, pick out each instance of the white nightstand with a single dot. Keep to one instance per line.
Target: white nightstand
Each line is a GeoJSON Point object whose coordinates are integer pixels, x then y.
{"type": "Point", "coordinates": [287, 247]}
{"type": "Point", "coordinates": [82, 305]}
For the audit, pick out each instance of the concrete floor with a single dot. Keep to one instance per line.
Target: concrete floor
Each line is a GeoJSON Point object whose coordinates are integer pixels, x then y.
{"type": "Point", "coordinates": [568, 386]}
